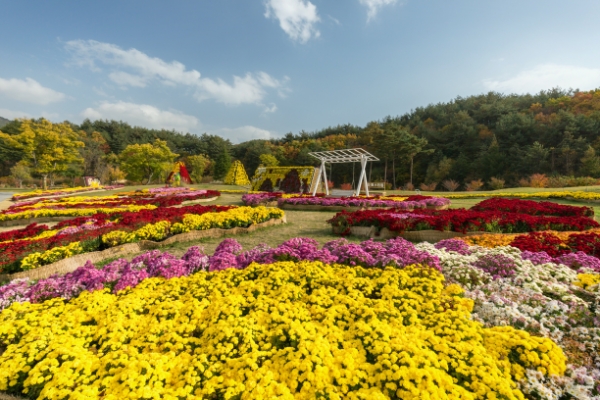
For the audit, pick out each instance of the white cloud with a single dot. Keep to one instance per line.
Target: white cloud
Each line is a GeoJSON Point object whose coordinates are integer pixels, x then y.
{"type": "Point", "coordinates": [142, 115]}
{"type": "Point", "coordinates": [143, 69]}
{"type": "Point", "coordinates": [373, 6]}
{"type": "Point", "coordinates": [271, 108]}
{"type": "Point", "coordinates": [29, 91]}
{"type": "Point", "coordinates": [244, 90]}
{"type": "Point", "coordinates": [247, 90]}
{"type": "Point", "coordinates": [547, 76]}
{"type": "Point", "coordinates": [101, 92]}
{"type": "Point", "coordinates": [297, 18]}
{"type": "Point", "coordinates": [243, 133]}
{"type": "Point", "coordinates": [123, 79]}
{"type": "Point", "coordinates": [88, 52]}
{"type": "Point", "coordinates": [9, 114]}
{"type": "Point", "coordinates": [335, 20]}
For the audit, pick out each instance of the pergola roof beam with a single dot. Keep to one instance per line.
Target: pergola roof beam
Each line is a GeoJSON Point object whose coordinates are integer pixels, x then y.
{"type": "Point", "coordinates": [343, 156]}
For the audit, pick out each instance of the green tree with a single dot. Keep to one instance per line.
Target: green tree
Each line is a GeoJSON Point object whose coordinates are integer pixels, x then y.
{"type": "Point", "coordinates": [10, 152]}
{"type": "Point", "coordinates": [47, 148]}
{"type": "Point", "coordinates": [112, 174]}
{"type": "Point", "coordinates": [571, 148]}
{"type": "Point", "coordinates": [590, 163]}
{"type": "Point", "coordinates": [383, 144]}
{"type": "Point", "coordinates": [20, 173]}
{"type": "Point", "coordinates": [94, 154]}
{"type": "Point", "coordinates": [249, 152]}
{"type": "Point", "coordinates": [197, 164]}
{"type": "Point", "coordinates": [144, 161]}
{"type": "Point", "coordinates": [268, 160]}
{"type": "Point", "coordinates": [72, 172]}
{"type": "Point", "coordinates": [368, 139]}
{"type": "Point", "coordinates": [409, 146]}
{"type": "Point", "coordinates": [222, 164]}
{"type": "Point", "coordinates": [492, 161]}
{"type": "Point", "coordinates": [438, 172]}
{"type": "Point", "coordinates": [536, 158]}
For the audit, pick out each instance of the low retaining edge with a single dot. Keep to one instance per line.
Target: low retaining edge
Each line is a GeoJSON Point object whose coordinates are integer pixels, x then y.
{"type": "Point", "coordinates": [72, 263]}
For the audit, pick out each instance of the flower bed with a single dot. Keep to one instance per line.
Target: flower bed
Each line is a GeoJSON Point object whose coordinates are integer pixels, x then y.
{"type": "Point", "coordinates": [337, 312]}
{"type": "Point", "coordinates": [82, 206]}
{"type": "Point", "coordinates": [403, 203]}
{"type": "Point", "coordinates": [242, 332]}
{"type": "Point", "coordinates": [115, 276]}
{"type": "Point", "coordinates": [85, 234]}
{"type": "Point", "coordinates": [532, 207]}
{"type": "Point", "coordinates": [552, 242]}
{"type": "Point", "coordinates": [458, 220]}
{"type": "Point", "coordinates": [410, 203]}
{"type": "Point", "coordinates": [265, 198]}
{"type": "Point", "coordinates": [58, 192]}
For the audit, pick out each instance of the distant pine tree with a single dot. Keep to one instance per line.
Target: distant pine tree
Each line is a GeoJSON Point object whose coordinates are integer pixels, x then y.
{"type": "Point", "coordinates": [222, 164]}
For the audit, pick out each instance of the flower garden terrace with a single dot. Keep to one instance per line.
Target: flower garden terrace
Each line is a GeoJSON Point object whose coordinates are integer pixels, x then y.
{"type": "Point", "coordinates": [370, 319]}
{"type": "Point", "coordinates": [149, 199]}
{"type": "Point", "coordinates": [59, 192]}
{"type": "Point", "coordinates": [99, 223]}
{"type": "Point", "coordinates": [323, 202]}
{"type": "Point", "coordinates": [493, 215]}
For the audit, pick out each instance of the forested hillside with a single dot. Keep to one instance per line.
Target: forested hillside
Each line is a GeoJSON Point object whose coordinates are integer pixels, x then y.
{"type": "Point", "coordinates": [477, 137]}
{"type": "Point", "coordinates": [506, 137]}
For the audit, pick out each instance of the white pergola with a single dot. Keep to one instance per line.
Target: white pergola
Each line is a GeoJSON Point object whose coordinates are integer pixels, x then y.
{"type": "Point", "coordinates": [344, 156]}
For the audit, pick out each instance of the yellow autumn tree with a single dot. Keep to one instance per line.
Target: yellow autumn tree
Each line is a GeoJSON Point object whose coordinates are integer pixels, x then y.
{"type": "Point", "coordinates": [144, 161]}
{"type": "Point", "coordinates": [46, 148]}
{"type": "Point", "coordinates": [237, 175]}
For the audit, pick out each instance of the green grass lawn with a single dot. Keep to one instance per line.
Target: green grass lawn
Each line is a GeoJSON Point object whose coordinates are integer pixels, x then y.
{"type": "Point", "coordinates": [595, 189]}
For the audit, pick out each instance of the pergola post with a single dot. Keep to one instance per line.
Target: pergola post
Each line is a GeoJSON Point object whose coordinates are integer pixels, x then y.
{"type": "Point", "coordinates": [363, 165]}
{"type": "Point", "coordinates": [316, 185]}
{"type": "Point", "coordinates": [323, 173]}
{"type": "Point", "coordinates": [324, 169]}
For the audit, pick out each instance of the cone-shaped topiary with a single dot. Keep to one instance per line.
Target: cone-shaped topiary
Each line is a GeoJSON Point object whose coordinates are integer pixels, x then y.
{"type": "Point", "coordinates": [237, 175]}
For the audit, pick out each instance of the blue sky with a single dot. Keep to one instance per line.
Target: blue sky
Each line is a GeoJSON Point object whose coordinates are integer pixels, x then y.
{"type": "Point", "coordinates": [247, 69]}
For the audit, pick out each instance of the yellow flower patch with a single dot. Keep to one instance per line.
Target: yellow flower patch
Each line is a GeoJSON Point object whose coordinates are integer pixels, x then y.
{"type": "Point", "coordinates": [488, 240]}
{"type": "Point", "coordinates": [287, 330]}
{"type": "Point", "coordinates": [36, 260]}
{"type": "Point", "coordinates": [41, 192]}
{"type": "Point", "coordinates": [237, 217]}
{"type": "Point", "coordinates": [156, 232]}
{"type": "Point", "coordinates": [72, 212]}
{"type": "Point", "coordinates": [72, 201]}
{"type": "Point", "coordinates": [588, 281]}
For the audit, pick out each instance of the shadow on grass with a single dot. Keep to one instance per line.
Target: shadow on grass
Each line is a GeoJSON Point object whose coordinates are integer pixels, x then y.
{"type": "Point", "coordinates": [300, 224]}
